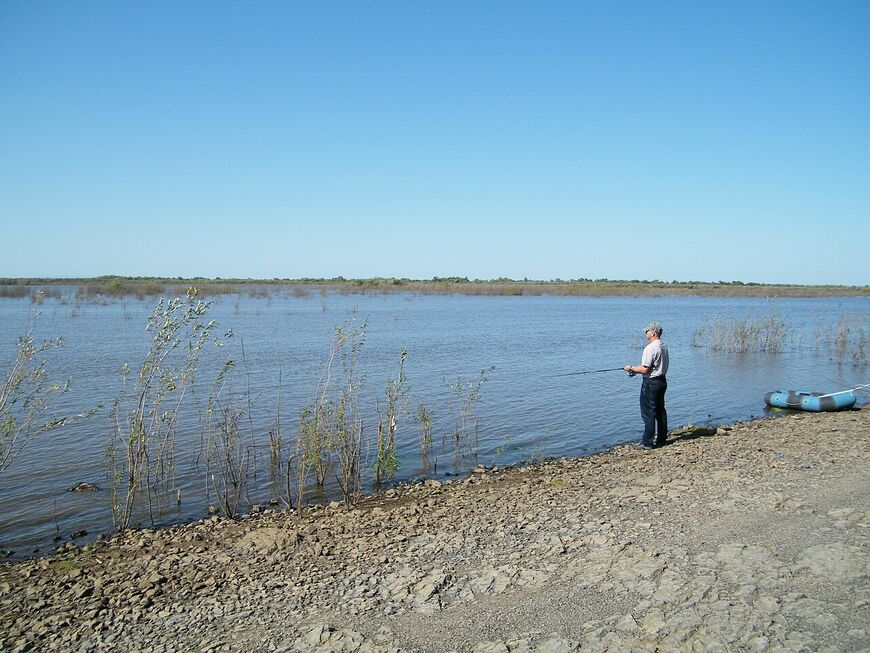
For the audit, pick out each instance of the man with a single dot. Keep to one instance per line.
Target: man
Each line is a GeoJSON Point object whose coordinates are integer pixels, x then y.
{"type": "Point", "coordinates": [654, 368]}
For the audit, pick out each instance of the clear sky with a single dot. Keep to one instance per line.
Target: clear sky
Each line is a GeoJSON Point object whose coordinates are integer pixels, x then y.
{"type": "Point", "coordinates": [696, 140]}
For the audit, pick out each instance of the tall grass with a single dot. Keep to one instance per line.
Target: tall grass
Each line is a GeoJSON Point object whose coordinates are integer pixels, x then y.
{"type": "Point", "coordinates": [331, 438]}
{"type": "Point", "coordinates": [29, 398]}
{"type": "Point", "coordinates": [423, 417]}
{"type": "Point", "coordinates": [845, 340]}
{"type": "Point", "coordinates": [140, 454]}
{"type": "Point", "coordinates": [465, 418]}
{"type": "Point", "coordinates": [396, 403]}
{"type": "Point", "coordinates": [115, 287]}
{"type": "Point", "coordinates": [742, 335]}
{"type": "Point", "coordinates": [331, 427]}
{"type": "Point", "coordinates": [229, 458]}
{"type": "Point", "coordinates": [14, 292]}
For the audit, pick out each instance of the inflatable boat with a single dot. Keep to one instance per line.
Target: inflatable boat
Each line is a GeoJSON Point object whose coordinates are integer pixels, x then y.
{"type": "Point", "coordinates": [815, 402]}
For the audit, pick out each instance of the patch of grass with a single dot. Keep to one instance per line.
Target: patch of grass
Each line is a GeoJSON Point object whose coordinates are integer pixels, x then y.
{"type": "Point", "coordinates": [63, 566]}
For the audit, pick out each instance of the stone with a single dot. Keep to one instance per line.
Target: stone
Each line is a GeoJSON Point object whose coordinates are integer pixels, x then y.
{"type": "Point", "coordinates": [267, 540]}
{"type": "Point", "coordinates": [556, 645]}
{"type": "Point", "coordinates": [83, 487]}
{"type": "Point", "coordinates": [491, 647]}
{"type": "Point", "coordinates": [835, 561]}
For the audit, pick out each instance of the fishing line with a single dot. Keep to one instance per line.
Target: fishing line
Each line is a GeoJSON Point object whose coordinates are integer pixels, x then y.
{"type": "Point", "coordinates": [609, 369]}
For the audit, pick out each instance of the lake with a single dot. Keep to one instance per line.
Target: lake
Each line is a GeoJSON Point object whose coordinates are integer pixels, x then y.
{"type": "Point", "coordinates": [525, 410]}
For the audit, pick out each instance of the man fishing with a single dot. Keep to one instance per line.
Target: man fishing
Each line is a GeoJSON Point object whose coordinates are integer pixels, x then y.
{"type": "Point", "coordinates": [654, 368]}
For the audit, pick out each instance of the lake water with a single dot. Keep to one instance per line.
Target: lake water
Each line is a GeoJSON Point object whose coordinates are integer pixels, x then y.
{"type": "Point", "coordinates": [525, 410]}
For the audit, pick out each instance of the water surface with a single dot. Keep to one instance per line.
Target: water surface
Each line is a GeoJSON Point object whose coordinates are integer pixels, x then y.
{"type": "Point", "coordinates": [525, 410]}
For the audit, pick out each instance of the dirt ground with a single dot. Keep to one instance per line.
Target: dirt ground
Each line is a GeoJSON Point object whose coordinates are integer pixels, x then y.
{"type": "Point", "coordinates": [752, 537]}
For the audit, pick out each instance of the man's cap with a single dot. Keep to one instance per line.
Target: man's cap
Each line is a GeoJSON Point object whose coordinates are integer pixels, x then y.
{"type": "Point", "coordinates": [654, 326]}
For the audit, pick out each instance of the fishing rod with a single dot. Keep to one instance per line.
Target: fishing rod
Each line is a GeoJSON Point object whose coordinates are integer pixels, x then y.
{"type": "Point", "coordinates": [609, 369]}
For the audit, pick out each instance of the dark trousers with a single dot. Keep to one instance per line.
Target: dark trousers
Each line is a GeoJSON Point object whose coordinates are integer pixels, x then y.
{"type": "Point", "coordinates": [652, 411]}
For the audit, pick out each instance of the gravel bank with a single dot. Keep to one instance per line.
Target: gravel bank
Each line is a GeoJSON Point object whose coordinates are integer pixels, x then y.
{"type": "Point", "coordinates": [752, 538]}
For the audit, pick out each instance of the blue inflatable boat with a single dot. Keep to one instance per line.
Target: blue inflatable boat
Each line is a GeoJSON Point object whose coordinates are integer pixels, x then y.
{"type": "Point", "coordinates": [815, 402]}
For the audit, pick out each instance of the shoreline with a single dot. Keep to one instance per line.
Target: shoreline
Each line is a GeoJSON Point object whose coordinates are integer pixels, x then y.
{"type": "Point", "coordinates": [760, 523]}
{"type": "Point", "coordinates": [80, 539]}
{"type": "Point", "coordinates": [119, 287]}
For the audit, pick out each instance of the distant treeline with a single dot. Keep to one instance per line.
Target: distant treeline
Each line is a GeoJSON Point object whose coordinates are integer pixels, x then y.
{"type": "Point", "coordinates": [117, 286]}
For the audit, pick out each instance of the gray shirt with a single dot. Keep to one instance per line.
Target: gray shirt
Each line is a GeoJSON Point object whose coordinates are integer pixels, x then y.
{"type": "Point", "coordinates": [655, 356]}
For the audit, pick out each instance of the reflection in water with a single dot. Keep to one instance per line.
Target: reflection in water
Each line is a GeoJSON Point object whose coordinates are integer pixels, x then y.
{"type": "Point", "coordinates": [526, 411]}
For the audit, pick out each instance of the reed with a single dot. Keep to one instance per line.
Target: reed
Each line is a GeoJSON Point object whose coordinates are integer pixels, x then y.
{"type": "Point", "coordinates": [140, 453]}
{"type": "Point", "coordinates": [331, 427]}
{"type": "Point", "coordinates": [280, 467]}
{"type": "Point", "coordinates": [14, 292]}
{"type": "Point", "coordinates": [229, 458]}
{"type": "Point", "coordinates": [117, 286]}
{"type": "Point", "coordinates": [346, 432]}
{"type": "Point", "coordinates": [40, 295]}
{"type": "Point", "coordinates": [423, 417]}
{"type": "Point", "coordinates": [845, 340]}
{"type": "Point", "coordinates": [29, 398]}
{"type": "Point", "coordinates": [465, 418]}
{"type": "Point", "coordinates": [743, 335]}
{"type": "Point", "coordinates": [396, 403]}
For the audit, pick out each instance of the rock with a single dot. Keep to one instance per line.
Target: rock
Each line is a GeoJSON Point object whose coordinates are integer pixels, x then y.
{"type": "Point", "coordinates": [491, 647]}
{"type": "Point", "coordinates": [627, 623]}
{"type": "Point", "coordinates": [83, 487]}
{"type": "Point", "coordinates": [150, 581]}
{"type": "Point", "coordinates": [557, 645]}
{"type": "Point", "coordinates": [317, 635]}
{"type": "Point", "coordinates": [835, 561]}
{"type": "Point", "coordinates": [520, 645]}
{"type": "Point", "coordinates": [653, 621]}
{"type": "Point", "coordinates": [267, 540]}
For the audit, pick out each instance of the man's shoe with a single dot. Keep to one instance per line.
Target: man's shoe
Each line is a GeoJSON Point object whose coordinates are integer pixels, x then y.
{"type": "Point", "coordinates": [640, 445]}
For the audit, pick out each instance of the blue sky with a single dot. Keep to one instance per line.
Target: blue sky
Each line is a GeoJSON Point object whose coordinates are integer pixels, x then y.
{"type": "Point", "coordinates": [669, 140]}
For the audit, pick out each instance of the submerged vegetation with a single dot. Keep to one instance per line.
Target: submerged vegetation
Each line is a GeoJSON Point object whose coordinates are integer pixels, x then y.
{"type": "Point", "coordinates": [141, 451]}
{"type": "Point", "coordinates": [100, 289]}
{"type": "Point", "coordinates": [395, 406]}
{"type": "Point", "coordinates": [465, 418]}
{"type": "Point", "coordinates": [29, 398]}
{"type": "Point", "coordinates": [766, 334]}
{"type": "Point", "coordinates": [331, 427]}
{"type": "Point", "coordinates": [846, 339]}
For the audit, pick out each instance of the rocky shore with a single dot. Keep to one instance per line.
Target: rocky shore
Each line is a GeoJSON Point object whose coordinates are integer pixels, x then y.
{"type": "Point", "coordinates": [752, 537]}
